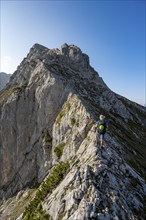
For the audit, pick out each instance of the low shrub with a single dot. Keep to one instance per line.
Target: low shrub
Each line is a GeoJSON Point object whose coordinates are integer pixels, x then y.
{"type": "Point", "coordinates": [34, 209]}
{"type": "Point", "coordinates": [73, 121]}
{"type": "Point", "coordinates": [59, 150]}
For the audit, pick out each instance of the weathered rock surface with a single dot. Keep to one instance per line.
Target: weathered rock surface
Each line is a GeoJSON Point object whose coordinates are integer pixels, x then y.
{"type": "Point", "coordinates": [48, 113]}
{"type": "Point", "coordinates": [4, 79]}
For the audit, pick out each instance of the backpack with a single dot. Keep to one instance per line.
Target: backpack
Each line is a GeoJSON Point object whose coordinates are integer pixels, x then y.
{"type": "Point", "coordinates": [101, 126]}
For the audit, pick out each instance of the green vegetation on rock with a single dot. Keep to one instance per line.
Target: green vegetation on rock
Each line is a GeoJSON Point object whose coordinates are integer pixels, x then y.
{"type": "Point", "coordinates": [59, 117]}
{"type": "Point", "coordinates": [68, 106]}
{"type": "Point", "coordinates": [63, 112]}
{"type": "Point", "coordinates": [39, 213]}
{"type": "Point", "coordinates": [73, 121]}
{"type": "Point", "coordinates": [35, 209]}
{"type": "Point", "coordinates": [4, 95]}
{"type": "Point", "coordinates": [59, 150]}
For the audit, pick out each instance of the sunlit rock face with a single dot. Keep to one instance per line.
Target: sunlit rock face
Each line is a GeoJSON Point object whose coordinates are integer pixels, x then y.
{"type": "Point", "coordinates": [48, 114]}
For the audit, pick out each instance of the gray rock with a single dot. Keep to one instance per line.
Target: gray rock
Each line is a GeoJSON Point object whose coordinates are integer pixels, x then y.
{"type": "Point", "coordinates": [4, 79]}
{"type": "Point", "coordinates": [48, 114]}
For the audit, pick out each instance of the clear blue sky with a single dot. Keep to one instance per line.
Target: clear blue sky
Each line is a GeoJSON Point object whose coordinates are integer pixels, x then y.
{"type": "Point", "coordinates": [112, 33]}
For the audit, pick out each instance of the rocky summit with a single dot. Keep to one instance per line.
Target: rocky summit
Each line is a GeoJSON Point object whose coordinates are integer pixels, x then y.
{"type": "Point", "coordinates": [50, 165]}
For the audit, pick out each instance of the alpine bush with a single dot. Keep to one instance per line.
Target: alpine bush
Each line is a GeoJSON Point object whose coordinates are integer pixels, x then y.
{"type": "Point", "coordinates": [34, 210]}
{"type": "Point", "coordinates": [59, 150]}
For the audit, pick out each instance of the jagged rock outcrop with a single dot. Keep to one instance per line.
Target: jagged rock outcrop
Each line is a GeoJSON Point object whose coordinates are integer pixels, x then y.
{"type": "Point", "coordinates": [4, 79]}
{"type": "Point", "coordinates": [48, 113]}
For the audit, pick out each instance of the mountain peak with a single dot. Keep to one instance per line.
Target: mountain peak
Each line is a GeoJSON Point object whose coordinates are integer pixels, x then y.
{"type": "Point", "coordinates": [38, 46]}
{"type": "Point", "coordinates": [70, 52]}
{"type": "Point", "coordinates": [70, 56]}
{"type": "Point", "coordinates": [51, 164]}
{"type": "Point", "coordinates": [75, 54]}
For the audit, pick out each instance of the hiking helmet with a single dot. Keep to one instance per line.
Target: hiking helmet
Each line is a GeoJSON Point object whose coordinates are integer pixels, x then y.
{"type": "Point", "coordinates": [101, 127]}
{"type": "Point", "coordinates": [102, 117]}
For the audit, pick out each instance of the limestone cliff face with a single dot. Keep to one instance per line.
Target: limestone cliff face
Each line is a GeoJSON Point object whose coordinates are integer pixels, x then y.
{"type": "Point", "coordinates": [48, 113]}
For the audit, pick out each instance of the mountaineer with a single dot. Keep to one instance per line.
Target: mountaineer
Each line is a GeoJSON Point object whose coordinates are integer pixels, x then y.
{"type": "Point", "coordinates": [101, 129]}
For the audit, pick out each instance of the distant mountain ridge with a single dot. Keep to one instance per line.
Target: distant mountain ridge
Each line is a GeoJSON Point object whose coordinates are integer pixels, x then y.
{"type": "Point", "coordinates": [4, 79]}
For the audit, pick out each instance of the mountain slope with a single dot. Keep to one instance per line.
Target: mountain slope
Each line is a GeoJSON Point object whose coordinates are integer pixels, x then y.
{"type": "Point", "coordinates": [48, 114]}
{"type": "Point", "coordinates": [4, 79]}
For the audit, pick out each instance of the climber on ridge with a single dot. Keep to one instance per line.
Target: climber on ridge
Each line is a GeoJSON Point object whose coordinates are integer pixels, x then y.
{"type": "Point", "coordinates": [101, 129]}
